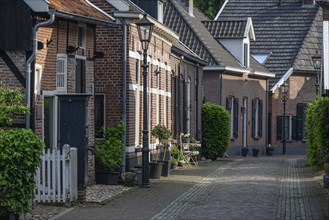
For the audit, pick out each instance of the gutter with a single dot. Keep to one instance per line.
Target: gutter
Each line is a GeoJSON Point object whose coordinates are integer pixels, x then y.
{"type": "Point", "coordinates": [81, 18]}
{"type": "Point", "coordinates": [31, 59]}
{"type": "Point", "coordinates": [226, 68]}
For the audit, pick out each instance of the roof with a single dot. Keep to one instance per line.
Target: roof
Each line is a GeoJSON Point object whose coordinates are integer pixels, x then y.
{"type": "Point", "coordinates": [292, 32]}
{"type": "Point", "coordinates": [79, 8]}
{"type": "Point", "coordinates": [196, 36]}
{"type": "Point", "coordinates": [181, 49]}
{"type": "Point", "coordinates": [226, 28]}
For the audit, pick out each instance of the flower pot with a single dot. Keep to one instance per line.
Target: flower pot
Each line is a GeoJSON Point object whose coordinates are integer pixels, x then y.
{"type": "Point", "coordinates": [165, 168]}
{"type": "Point", "coordinates": [269, 151]}
{"type": "Point", "coordinates": [110, 178]}
{"type": "Point", "coordinates": [244, 151]}
{"type": "Point", "coordinates": [156, 170]}
{"type": "Point", "coordinates": [130, 178]}
{"type": "Point", "coordinates": [255, 152]}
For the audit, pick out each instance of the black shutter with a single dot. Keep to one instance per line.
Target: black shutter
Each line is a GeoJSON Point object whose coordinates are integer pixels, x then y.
{"type": "Point", "coordinates": [300, 120]}
{"type": "Point", "coordinates": [228, 104]}
{"type": "Point", "coordinates": [253, 119]}
{"type": "Point", "coordinates": [294, 128]}
{"type": "Point", "coordinates": [236, 117]}
{"type": "Point", "coordinates": [279, 120]}
{"type": "Point", "coordinates": [260, 118]}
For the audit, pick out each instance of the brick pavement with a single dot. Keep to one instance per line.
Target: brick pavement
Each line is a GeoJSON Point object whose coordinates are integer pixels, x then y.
{"type": "Point", "coordinates": [249, 188]}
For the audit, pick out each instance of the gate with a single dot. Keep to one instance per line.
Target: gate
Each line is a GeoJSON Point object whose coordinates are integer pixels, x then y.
{"type": "Point", "coordinates": [56, 178]}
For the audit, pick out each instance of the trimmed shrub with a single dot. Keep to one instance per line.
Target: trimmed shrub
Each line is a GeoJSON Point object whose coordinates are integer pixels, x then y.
{"type": "Point", "coordinates": [317, 128]}
{"type": "Point", "coordinates": [216, 130]}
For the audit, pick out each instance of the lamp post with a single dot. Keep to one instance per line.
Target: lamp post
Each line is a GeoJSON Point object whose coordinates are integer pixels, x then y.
{"type": "Point", "coordinates": [284, 91]}
{"type": "Point", "coordinates": [316, 59]}
{"type": "Point", "coordinates": [145, 28]}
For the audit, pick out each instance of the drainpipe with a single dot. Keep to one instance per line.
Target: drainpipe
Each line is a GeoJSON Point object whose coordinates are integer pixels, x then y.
{"type": "Point", "coordinates": [124, 92]}
{"type": "Point", "coordinates": [31, 59]}
{"type": "Point", "coordinates": [266, 117]}
{"type": "Point", "coordinates": [221, 88]}
{"type": "Point", "coordinates": [178, 113]}
{"type": "Point", "coordinates": [197, 102]}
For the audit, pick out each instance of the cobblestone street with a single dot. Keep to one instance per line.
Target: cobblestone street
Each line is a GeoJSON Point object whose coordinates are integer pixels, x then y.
{"type": "Point", "coordinates": [239, 188]}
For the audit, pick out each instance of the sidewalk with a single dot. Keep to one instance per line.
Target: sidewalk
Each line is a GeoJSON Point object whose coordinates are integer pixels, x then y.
{"type": "Point", "coordinates": [235, 188]}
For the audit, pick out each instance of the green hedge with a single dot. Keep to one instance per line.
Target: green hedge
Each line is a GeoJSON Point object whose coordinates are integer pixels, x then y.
{"type": "Point", "coordinates": [216, 130]}
{"type": "Point", "coordinates": [20, 151]}
{"type": "Point", "coordinates": [317, 128]}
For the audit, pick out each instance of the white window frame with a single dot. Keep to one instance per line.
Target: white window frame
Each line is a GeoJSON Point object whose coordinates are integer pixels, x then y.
{"type": "Point", "coordinates": [160, 11]}
{"type": "Point", "coordinates": [232, 117]}
{"type": "Point", "coordinates": [104, 111]}
{"type": "Point", "coordinates": [256, 118]}
{"type": "Point", "coordinates": [165, 98]}
{"type": "Point", "coordinates": [61, 73]}
{"type": "Point", "coordinates": [157, 77]}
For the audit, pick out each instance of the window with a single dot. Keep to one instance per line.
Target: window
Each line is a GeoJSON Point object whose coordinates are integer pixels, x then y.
{"type": "Point", "coordinates": [257, 118]}
{"type": "Point", "coordinates": [246, 55]}
{"type": "Point", "coordinates": [232, 106]}
{"type": "Point", "coordinates": [37, 80]}
{"type": "Point", "coordinates": [61, 73]}
{"type": "Point", "coordinates": [50, 109]}
{"type": "Point", "coordinates": [99, 115]}
{"type": "Point", "coordinates": [301, 119]}
{"type": "Point", "coordinates": [80, 76]}
{"type": "Point", "coordinates": [82, 36]}
{"type": "Point", "coordinates": [288, 126]}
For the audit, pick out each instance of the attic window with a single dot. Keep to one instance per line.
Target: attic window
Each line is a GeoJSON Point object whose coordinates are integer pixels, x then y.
{"type": "Point", "coordinates": [261, 57]}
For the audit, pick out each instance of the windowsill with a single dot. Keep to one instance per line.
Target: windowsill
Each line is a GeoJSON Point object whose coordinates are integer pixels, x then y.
{"type": "Point", "coordinates": [256, 138]}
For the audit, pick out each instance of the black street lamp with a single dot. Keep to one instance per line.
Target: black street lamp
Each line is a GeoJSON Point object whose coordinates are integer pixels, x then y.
{"type": "Point", "coordinates": [145, 28]}
{"type": "Point", "coordinates": [316, 59]}
{"type": "Point", "coordinates": [284, 90]}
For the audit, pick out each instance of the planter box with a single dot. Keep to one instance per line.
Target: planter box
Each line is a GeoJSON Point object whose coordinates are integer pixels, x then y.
{"type": "Point", "coordinates": [244, 151]}
{"type": "Point", "coordinates": [165, 168]}
{"type": "Point", "coordinates": [255, 152]}
{"type": "Point", "coordinates": [108, 178]}
{"type": "Point", "coordinates": [269, 152]}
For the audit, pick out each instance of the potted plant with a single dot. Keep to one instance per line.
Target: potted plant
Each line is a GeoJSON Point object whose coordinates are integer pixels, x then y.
{"type": "Point", "coordinates": [109, 156]}
{"type": "Point", "coordinates": [270, 149]}
{"type": "Point", "coordinates": [173, 163]}
{"type": "Point", "coordinates": [161, 167]}
{"type": "Point", "coordinates": [255, 152]}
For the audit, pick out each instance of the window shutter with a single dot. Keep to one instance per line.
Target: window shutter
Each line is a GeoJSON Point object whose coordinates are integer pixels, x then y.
{"type": "Point", "coordinates": [300, 120]}
{"type": "Point", "coordinates": [260, 118]}
{"type": "Point", "coordinates": [253, 118]}
{"type": "Point", "coordinates": [228, 104]}
{"type": "Point", "coordinates": [294, 128]}
{"type": "Point", "coordinates": [279, 120]}
{"type": "Point", "coordinates": [236, 117]}
{"type": "Point", "coordinates": [61, 73]}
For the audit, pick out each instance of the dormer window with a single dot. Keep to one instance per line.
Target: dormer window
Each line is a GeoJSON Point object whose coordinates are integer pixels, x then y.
{"type": "Point", "coordinates": [308, 3]}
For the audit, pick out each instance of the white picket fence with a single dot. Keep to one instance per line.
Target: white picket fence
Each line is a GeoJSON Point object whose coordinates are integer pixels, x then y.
{"type": "Point", "coordinates": [56, 179]}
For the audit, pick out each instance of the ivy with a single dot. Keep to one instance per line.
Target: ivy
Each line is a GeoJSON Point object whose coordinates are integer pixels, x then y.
{"type": "Point", "coordinates": [216, 130]}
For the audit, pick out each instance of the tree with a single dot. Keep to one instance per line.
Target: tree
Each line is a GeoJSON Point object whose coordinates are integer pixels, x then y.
{"type": "Point", "coordinates": [209, 7]}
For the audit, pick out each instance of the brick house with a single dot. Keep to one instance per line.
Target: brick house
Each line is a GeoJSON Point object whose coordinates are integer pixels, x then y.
{"type": "Point", "coordinates": [124, 57]}
{"type": "Point", "coordinates": [231, 78]}
{"type": "Point", "coordinates": [62, 73]}
{"type": "Point", "coordinates": [288, 36]}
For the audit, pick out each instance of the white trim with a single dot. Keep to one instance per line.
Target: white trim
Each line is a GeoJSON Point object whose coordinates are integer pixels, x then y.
{"type": "Point", "coordinates": [119, 5]}
{"type": "Point", "coordinates": [282, 80]}
{"type": "Point", "coordinates": [249, 29]}
{"type": "Point", "coordinates": [325, 57]}
{"type": "Point", "coordinates": [257, 73]}
{"type": "Point", "coordinates": [133, 87]}
{"type": "Point", "coordinates": [225, 68]}
{"type": "Point", "coordinates": [221, 9]}
{"type": "Point", "coordinates": [137, 55]}
{"type": "Point", "coordinates": [100, 10]}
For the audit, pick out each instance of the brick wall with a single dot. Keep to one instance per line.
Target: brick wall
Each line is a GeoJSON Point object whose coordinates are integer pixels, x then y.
{"type": "Point", "coordinates": [239, 87]}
